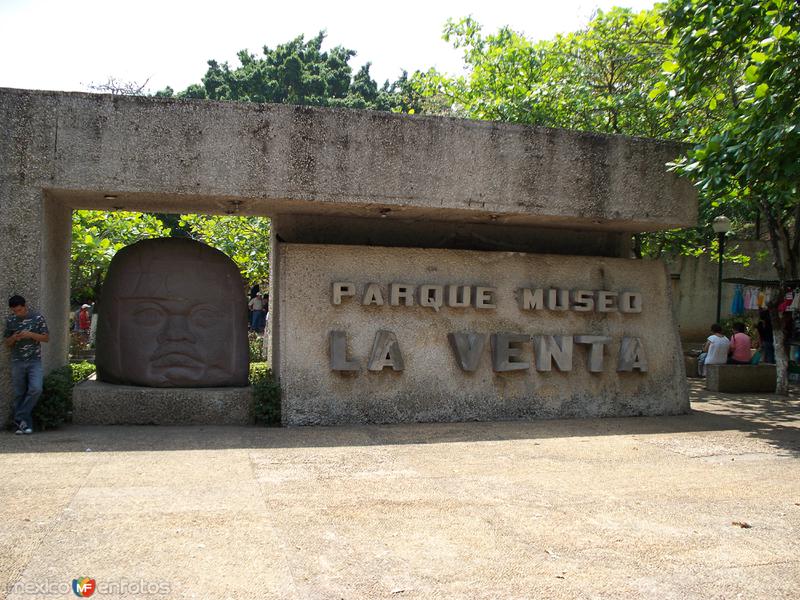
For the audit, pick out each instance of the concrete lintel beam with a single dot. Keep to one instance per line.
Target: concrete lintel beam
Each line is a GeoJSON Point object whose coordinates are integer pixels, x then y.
{"type": "Point", "coordinates": [278, 159]}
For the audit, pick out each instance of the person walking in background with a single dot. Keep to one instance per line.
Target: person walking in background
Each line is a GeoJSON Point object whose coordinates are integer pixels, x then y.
{"type": "Point", "coordinates": [256, 305]}
{"type": "Point", "coordinates": [740, 345]}
{"type": "Point", "coordinates": [715, 350]}
{"type": "Point", "coordinates": [24, 333]}
{"type": "Point", "coordinates": [766, 341]}
{"type": "Point", "coordinates": [84, 323]}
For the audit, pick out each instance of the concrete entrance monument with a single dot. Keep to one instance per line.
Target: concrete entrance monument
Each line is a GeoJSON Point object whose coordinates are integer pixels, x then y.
{"type": "Point", "coordinates": [421, 268]}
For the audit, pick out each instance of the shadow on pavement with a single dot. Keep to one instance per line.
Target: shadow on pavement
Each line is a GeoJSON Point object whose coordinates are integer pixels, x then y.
{"type": "Point", "coordinates": [768, 417]}
{"type": "Point", "coordinates": [772, 419]}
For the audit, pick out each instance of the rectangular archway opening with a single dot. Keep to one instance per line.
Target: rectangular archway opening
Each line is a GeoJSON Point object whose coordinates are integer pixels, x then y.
{"type": "Point", "coordinates": [83, 235]}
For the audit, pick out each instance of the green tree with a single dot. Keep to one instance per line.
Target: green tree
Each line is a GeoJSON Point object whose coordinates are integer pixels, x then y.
{"type": "Point", "coordinates": [96, 237]}
{"type": "Point", "coordinates": [742, 57]}
{"type": "Point", "coordinates": [300, 72]}
{"type": "Point", "coordinates": [596, 79]}
{"type": "Point", "coordinates": [245, 239]}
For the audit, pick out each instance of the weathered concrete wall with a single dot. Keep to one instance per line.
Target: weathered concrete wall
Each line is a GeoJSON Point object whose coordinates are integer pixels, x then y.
{"type": "Point", "coordinates": [54, 280]}
{"type": "Point", "coordinates": [273, 159]}
{"type": "Point", "coordinates": [695, 293]}
{"type": "Point", "coordinates": [26, 147]}
{"type": "Point", "coordinates": [432, 387]}
{"type": "Point", "coordinates": [34, 262]}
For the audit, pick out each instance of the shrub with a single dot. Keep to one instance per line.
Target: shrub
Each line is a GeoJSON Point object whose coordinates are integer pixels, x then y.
{"type": "Point", "coordinates": [255, 345]}
{"type": "Point", "coordinates": [266, 394]}
{"type": "Point", "coordinates": [81, 371]}
{"type": "Point", "coordinates": [55, 404]}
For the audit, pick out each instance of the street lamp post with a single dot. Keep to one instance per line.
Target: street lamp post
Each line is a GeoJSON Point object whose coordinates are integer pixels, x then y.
{"type": "Point", "coordinates": [721, 226]}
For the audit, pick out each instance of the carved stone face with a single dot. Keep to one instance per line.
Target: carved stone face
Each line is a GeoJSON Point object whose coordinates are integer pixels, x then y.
{"type": "Point", "coordinates": [173, 314]}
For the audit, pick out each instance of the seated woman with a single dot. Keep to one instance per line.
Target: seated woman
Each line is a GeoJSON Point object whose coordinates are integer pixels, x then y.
{"type": "Point", "coordinates": [740, 346]}
{"type": "Point", "coordinates": [715, 351]}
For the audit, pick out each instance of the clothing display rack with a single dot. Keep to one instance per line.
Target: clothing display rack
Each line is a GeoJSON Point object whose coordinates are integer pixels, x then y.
{"type": "Point", "coordinates": [764, 290]}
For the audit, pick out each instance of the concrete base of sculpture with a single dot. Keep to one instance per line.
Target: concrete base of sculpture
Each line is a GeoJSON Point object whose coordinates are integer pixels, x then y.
{"type": "Point", "coordinates": [97, 403]}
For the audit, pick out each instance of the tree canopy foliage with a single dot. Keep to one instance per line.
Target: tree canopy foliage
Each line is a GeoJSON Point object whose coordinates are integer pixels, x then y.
{"type": "Point", "coordinates": [245, 239]}
{"type": "Point", "coordinates": [300, 72]}
{"type": "Point", "coordinates": [596, 79]}
{"type": "Point", "coordinates": [742, 59]}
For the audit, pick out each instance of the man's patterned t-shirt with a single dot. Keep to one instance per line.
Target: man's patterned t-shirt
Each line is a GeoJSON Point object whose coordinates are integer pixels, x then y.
{"type": "Point", "coordinates": [26, 349]}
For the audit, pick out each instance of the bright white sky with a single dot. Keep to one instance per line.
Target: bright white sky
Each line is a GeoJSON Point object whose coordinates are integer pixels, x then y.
{"type": "Point", "coordinates": [67, 44]}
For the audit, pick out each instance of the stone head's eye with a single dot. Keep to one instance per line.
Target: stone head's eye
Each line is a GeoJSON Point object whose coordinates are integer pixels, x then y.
{"type": "Point", "coordinates": [148, 316]}
{"type": "Point", "coordinates": [202, 317]}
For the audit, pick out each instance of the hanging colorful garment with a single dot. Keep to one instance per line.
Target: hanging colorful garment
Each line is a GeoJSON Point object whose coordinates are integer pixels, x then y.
{"type": "Point", "coordinates": [754, 298]}
{"type": "Point", "coordinates": [737, 306]}
{"type": "Point", "coordinates": [748, 298]}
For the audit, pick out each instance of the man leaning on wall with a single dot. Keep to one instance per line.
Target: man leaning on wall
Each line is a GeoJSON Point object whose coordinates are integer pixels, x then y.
{"type": "Point", "coordinates": [24, 333]}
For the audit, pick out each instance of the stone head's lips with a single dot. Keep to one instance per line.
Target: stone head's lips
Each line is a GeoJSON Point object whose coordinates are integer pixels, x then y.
{"type": "Point", "coordinates": [177, 358]}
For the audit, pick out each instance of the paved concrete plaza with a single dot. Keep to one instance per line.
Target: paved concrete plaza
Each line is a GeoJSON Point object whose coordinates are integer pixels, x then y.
{"type": "Point", "coordinates": [705, 505]}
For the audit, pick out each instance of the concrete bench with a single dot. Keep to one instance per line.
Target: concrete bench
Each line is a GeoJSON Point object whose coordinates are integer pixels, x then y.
{"type": "Point", "coordinates": [740, 378]}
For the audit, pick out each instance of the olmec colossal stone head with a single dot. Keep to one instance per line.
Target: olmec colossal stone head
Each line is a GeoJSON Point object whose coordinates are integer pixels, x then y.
{"type": "Point", "coordinates": [173, 314]}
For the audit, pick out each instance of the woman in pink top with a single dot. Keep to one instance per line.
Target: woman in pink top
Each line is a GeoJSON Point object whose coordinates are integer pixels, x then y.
{"type": "Point", "coordinates": [740, 346]}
